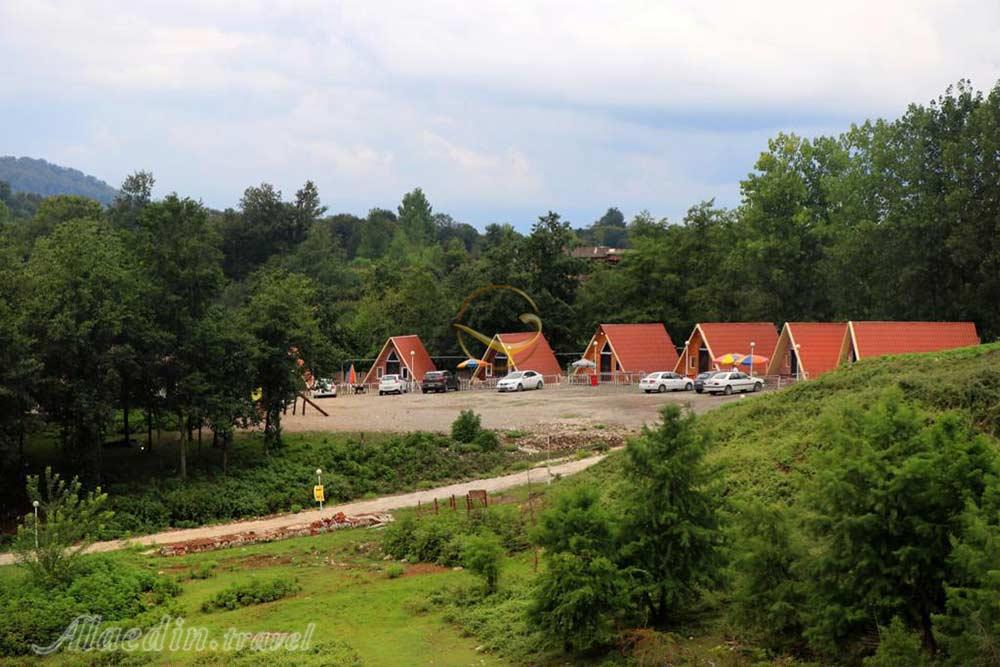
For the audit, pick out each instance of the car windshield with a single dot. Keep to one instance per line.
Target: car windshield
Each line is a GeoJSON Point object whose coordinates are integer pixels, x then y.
{"type": "Point", "coordinates": [433, 375]}
{"type": "Point", "coordinates": [514, 376]}
{"type": "Point", "coordinates": [389, 378]}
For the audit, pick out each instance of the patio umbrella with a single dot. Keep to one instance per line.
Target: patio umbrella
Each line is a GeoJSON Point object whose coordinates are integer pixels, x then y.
{"type": "Point", "coordinates": [729, 359]}
{"type": "Point", "coordinates": [352, 376]}
{"type": "Point", "coordinates": [472, 363]}
{"type": "Point", "coordinates": [753, 360]}
{"type": "Point", "coordinates": [583, 363]}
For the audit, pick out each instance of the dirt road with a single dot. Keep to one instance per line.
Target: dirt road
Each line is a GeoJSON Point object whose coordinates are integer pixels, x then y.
{"type": "Point", "coordinates": [553, 406]}
{"type": "Point", "coordinates": [384, 504]}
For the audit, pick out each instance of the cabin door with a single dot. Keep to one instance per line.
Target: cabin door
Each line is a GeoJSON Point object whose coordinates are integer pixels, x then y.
{"type": "Point", "coordinates": [793, 364]}
{"type": "Point", "coordinates": [704, 360]}
{"type": "Point", "coordinates": [392, 364]}
{"type": "Point", "coordinates": [606, 361]}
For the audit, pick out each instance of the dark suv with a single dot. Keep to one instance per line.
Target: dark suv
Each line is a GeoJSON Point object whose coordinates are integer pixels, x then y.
{"type": "Point", "coordinates": [439, 381]}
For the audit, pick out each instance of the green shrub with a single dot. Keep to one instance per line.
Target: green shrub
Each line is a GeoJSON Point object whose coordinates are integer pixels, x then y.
{"type": "Point", "coordinates": [255, 591]}
{"type": "Point", "coordinates": [487, 441]}
{"type": "Point", "coordinates": [483, 555]}
{"type": "Point", "coordinates": [466, 426]}
{"type": "Point", "coordinates": [898, 647]}
{"type": "Point", "coordinates": [103, 585]}
{"type": "Point", "coordinates": [394, 571]}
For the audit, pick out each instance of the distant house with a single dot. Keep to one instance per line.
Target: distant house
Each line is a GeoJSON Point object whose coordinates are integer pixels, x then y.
{"type": "Point", "coordinates": [874, 339]}
{"type": "Point", "coordinates": [630, 348]}
{"type": "Point", "coordinates": [599, 253]}
{"type": "Point", "coordinates": [401, 355]}
{"type": "Point", "coordinates": [806, 350]}
{"type": "Point", "coordinates": [710, 340]}
{"type": "Point", "coordinates": [522, 351]}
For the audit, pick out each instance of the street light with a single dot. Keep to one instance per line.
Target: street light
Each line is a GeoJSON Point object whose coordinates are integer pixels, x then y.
{"type": "Point", "coordinates": [35, 505]}
{"type": "Point", "coordinates": [412, 376]}
{"type": "Point", "coordinates": [319, 482]}
{"type": "Point", "coordinates": [752, 346]}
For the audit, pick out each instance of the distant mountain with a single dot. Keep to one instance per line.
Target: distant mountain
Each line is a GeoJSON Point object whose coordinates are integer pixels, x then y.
{"type": "Point", "coordinates": [25, 174]}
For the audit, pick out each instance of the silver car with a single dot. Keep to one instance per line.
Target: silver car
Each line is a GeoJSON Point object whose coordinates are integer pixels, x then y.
{"type": "Point", "coordinates": [727, 383]}
{"type": "Point", "coordinates": [662, 381]}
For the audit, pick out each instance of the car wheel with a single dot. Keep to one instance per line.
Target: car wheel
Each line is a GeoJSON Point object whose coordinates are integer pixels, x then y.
{"type": "Point", "coordinates": [541, 385]}
{"type": "Point", "coordinates": [728, 390]}
{"type": "Point", "coordinates": [520, 387]}
{"type": "Point", "coordinates": [688, 387]}
{"type": "Point", "coordinates": [381, 393]}
{"type": "Point", "coordinates": [662, 388]}
{"type": "Point", "coordinates": [758, 386]}
{"type": "Point", "coordinates": [699, 391]}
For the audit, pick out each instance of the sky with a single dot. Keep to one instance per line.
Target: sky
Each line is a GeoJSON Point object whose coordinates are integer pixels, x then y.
{"type": "Point", "coordinates": [500, 111]}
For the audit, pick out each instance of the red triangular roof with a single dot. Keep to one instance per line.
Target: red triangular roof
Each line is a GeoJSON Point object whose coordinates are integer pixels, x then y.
{"type": "Point", "coordinates": [873, 339]}
{"type": "Point", "coordinates": [725, 337]}
{"type": "Point", "coordinates": [404, 345]}
{"type": "Point", "coordinates": [537, 357]}
{"type": "Point", "coordinates": [818, 345]}
{"type": "Point", "coordinates": [642, 347]}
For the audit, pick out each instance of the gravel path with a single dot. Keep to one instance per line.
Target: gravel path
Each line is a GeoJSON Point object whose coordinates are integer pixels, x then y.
{"type": "Point", "coordinates": [384, 504]}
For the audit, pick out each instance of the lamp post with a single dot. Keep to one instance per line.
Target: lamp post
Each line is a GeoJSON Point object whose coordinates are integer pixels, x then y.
{"type": "Point", "coordinates": [687, 362]}
{"type": "Point", "coordinates": [413, 379]}
{"type": "Point", "coordinates": [752, 346]}
{"type": "Point", "coordinates": [319, 482]}
{"type": "Point", "coordinates": [35, 505]}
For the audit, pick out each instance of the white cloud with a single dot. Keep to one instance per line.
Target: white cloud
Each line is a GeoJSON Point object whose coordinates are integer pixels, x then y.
{"type": "Point", "coordinates": [496, 108]}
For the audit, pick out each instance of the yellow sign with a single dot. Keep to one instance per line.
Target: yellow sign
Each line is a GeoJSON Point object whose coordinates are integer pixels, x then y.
{"type": "Point", "coordinates": [318, 493]}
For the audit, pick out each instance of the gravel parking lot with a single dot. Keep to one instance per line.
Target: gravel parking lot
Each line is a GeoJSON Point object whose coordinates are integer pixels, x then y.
{"type": "Point", "coordinates": [575, 406]}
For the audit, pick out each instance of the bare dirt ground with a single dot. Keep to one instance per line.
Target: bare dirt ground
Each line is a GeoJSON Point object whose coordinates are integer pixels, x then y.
{"type": "Point", "coordinates": [551, 408]}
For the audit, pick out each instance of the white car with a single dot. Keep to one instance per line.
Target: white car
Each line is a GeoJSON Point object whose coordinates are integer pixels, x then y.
{"type": "Point", "coordinates": [727, 383]}
{"type": "Point", "coordinates": [520, 380]}
{"type": "Point", "coordinates": [324, 388]}
{"type": "Point", "coordinates": [665, 381]}
{"type": "Point", "coordinates": [392, 384]}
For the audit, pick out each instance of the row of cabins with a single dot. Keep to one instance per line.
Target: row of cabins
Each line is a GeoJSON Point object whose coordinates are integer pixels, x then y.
{"type": "Point", "coordinates": [801, 349]}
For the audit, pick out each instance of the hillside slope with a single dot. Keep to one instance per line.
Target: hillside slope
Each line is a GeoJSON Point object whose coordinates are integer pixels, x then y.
{"type": "Point", "coordinates": [764, 442]}
{"type": "Point", "coordinates": [25, 174]}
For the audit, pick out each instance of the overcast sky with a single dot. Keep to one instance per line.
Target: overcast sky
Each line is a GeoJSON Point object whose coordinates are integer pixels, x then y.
{"type": "Point", "coordinates": [499, 110]}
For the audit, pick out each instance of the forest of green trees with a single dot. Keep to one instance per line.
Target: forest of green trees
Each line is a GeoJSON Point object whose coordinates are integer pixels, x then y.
{"type": "Point", "coordinates": [164, 307]}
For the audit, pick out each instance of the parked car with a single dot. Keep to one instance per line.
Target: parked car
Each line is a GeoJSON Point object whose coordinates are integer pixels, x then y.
{"type": "Point", "coordinates": [665, 381]}
{"type": "Point", "coordinates": [700, 378]}
{"type": "Point", "coordinates": [520, 380]}
{"type": "Point", "coordinates": [727, 383]}
{"type": "Point", "coordinates": [324, 388]}
{"type": "Point", "coordinates": [437, 381]}
{"type": "Point", "coordinates": [392, 384]}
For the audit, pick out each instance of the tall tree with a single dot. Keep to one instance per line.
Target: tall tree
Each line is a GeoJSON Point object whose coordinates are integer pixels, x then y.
{"type": "Point", "coordinates": [85, 295]}
{"type": "Point", "coordinates": [670, 519]}
{"type": "Point", "coordinates": [181, 254]}
{"type": "Point", "coordinates": [281, 315]}
{"type": "Point", "coordinates": [135, 194]}
{"type": "Point", "coordinates": [416, 217]}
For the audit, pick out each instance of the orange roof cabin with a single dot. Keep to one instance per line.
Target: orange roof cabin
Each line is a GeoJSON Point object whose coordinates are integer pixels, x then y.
{"type": "Point", "coordinates": [401, 355]}
{"type": "Point", "coordinates": [522, 351]}
{"type": "Point", "coordinates": [711, 340]}
{"type": "Point", "coordinates": [874, 339]}
{"type": "Point", "coordinates": [630, 348]}
{"type": "Point", "coordinates": [806, 350]}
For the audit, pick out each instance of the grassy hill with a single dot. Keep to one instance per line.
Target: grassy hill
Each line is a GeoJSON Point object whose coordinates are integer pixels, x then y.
{"type": "Point", "coordinates": [764, 442]}
{"type": "Point", "coordinates": [25, 174]}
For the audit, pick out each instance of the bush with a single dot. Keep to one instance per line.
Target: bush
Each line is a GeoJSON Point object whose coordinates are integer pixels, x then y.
{"type": "Point", "coordinates": [394, 571]}
{"type": "Point", "coordinates": [487, 441]}
{"type": "Point", "coordinates": [466, 426]}
{"type": "Point", "coordinates": [898, 647]}
{"type": "Point", "coordinates": [483, 555]}
{"type": "Point", "coordinates": [255, 591]}
{"type": "Point", "coordinates": [438, 539]}
{"type": "Point", "coordinates": [31, 613]}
